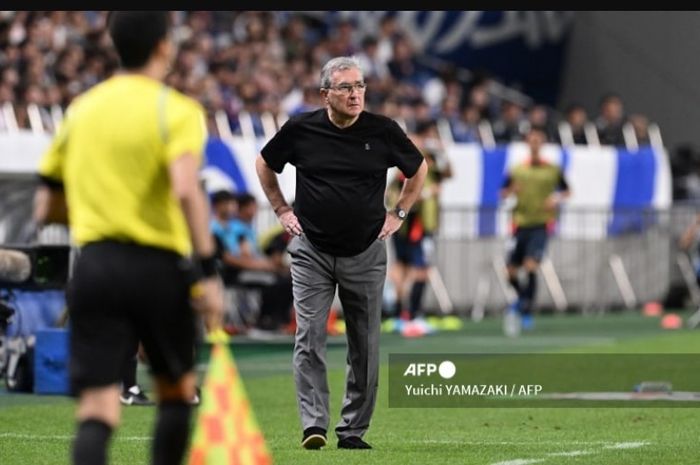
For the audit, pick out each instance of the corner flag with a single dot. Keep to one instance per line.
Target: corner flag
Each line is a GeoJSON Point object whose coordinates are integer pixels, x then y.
{"type": "Point", "coordinates": [226, 432]}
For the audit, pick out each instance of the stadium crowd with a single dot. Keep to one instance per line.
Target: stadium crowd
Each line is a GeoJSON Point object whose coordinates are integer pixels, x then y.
{"type": "Point", "coordinates": [262, 61]}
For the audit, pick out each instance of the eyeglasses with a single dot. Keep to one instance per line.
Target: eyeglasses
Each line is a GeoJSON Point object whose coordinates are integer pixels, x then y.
{"type": "Point", "coordinates": [348, 88]}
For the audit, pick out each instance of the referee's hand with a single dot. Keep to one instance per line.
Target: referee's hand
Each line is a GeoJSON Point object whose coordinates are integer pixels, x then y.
{"type": "Point", "coordinates": [208, 300]}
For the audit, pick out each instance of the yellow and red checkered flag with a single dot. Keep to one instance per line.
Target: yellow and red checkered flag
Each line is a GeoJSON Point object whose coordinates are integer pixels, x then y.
{"type": "Point", "coordinates": [226, 432]}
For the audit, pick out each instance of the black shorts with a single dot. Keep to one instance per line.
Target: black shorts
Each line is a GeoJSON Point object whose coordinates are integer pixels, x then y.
{"type": "Point", "coordinates": [530, 242]}
{"type": "Point", "coordinates": [411, 253]}
{"type": "Point", "coordinates": [122, 294]}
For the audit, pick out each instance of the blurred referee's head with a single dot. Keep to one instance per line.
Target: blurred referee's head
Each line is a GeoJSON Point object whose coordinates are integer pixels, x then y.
{"type": "Point", "coordinates": [140, 36]}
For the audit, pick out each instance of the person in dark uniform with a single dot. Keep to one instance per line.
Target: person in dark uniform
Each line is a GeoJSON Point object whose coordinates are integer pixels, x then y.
{"type": "Point", "coordinates": [414, 242]}
{"type": "Point", "coordinates": [127, 158]}
{"type": "Point", "coordinates": [341, 154]}
{"type": "Point", "coordinates": [132, 393]}
{"type": "Point", "coordinates": [539, 188]}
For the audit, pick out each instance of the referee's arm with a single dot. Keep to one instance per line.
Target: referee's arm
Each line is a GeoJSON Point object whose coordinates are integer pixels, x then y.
{"type": "Point", "coordinates": [184, 177]}
{"type": "Point", "coordinates": [49, 203]}
{"type": "Point", "coordinates": [49, 199]}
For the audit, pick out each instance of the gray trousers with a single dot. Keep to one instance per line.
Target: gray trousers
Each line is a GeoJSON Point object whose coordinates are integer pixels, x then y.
{"type": "Point", "coordinates": [360, 280]}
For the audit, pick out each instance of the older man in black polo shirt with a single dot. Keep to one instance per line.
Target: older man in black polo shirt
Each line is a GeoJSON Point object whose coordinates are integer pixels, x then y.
{"type": "Point", "coordinates": [341, 154]}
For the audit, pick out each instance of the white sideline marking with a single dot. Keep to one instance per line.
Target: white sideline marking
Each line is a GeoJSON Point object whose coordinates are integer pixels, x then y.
{"type": "Point", "coordinates": [519, 462]}
{"type": "Point", "coordinates": [64, 437]}
{"type": "Point", "coordinates": [510, 443]}
{"type": "Point", "coordinates": [573, 453]}
{"type": "Point", "coordinates": [576, 453]}
{"type": "Point", "coordinates": [626, 445]}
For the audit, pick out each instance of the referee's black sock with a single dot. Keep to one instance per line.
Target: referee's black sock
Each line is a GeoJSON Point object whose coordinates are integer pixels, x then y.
{"type": "Point", "coordinates": [172, 432]}
{"type": "Point", "coordinates": [90, 445]}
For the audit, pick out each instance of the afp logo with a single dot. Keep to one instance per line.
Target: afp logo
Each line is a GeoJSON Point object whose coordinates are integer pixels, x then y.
{"type": "Point", "coordinates": [446, 369]}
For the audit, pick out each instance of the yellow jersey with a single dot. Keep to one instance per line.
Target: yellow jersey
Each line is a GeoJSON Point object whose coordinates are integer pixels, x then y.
{"type": "Point", "coordinates": [112, 154]}
{"type": "Point", "coordinates": [535, 183]}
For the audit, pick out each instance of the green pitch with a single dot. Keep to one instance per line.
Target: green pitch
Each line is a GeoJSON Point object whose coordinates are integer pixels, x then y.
{"type": "Point", "coordinates": [37, 430]}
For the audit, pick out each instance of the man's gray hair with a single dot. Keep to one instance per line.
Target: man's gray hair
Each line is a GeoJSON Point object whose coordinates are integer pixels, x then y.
{"type": "Point", "coordinates": [337, 64]}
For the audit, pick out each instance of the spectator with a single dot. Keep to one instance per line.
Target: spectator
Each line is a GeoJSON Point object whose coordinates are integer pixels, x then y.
{"type": "Point", "coordinates": [538, 115]}
{"type": "Point", "coordinates": [388, 30]}
{"type": "Point", "coordinates": [640, 124]}
{"type": "Point", "coordinates": [224, 210]}
{"type": "Point", "coordinates": [509, 127]}
{"type": "Point", "coordinates": [310, 101]}
{"type": "Point", "coordinates": [295, 35]}
{"type": "Point", "coordinates": [342, 40]}
{"type": "Point", "coordinates": [403, 65]}
{"type": "Point", "coordinates": [372, 64]}
{"type": "Point", "coordinates": [610, 120]}
{"type": "Point", "coordinates": [466, 127]}
{"type": "Point", "coordinates": [245, 265]}
{"type": "Point", "coordinates": [33, 95]}
{"type": "Point", "coordinates": [577, 118]}
{"type": "Point", "coordinates": [479, 97]}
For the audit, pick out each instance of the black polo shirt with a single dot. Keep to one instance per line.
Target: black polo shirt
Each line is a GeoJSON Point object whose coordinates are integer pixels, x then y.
{"type": "Point", "coordinates": [341, 175]}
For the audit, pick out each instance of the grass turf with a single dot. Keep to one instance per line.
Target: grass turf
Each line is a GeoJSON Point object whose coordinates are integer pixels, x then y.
{"type": "Point", "coordinates": [37, 430]}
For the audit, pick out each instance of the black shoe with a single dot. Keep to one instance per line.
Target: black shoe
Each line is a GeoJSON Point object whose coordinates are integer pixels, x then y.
{"type": "Point", "coordinates": [314, 438]}
{"type": "Point", "coordinates": [134, 396]}
{"type": "Point", "coordinates": [353, 442]}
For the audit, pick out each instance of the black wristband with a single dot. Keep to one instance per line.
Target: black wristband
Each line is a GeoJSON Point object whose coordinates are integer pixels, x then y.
{"type": "Point", "coordinates": [208, 266]}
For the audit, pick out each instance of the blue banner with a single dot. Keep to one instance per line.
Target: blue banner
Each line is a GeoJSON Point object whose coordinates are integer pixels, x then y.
{"type": "Point", "coordinates": [493, 165]}
{"type": "Point", "coordinates": [221, 170]}
{"type": "Point", "coordinates": [634, 191]}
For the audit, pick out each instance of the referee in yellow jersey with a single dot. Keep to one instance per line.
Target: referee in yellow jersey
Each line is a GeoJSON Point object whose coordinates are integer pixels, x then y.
{"type": "Point", "coordinates": [127, 158]}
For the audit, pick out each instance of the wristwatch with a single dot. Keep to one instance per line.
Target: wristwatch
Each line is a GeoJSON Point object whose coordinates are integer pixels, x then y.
{"type": "Point", "coordinates": [400, 213]}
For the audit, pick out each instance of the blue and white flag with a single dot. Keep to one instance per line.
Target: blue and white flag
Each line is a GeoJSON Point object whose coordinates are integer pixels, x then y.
{"type": "Point", "coordinates": [221, 170]}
